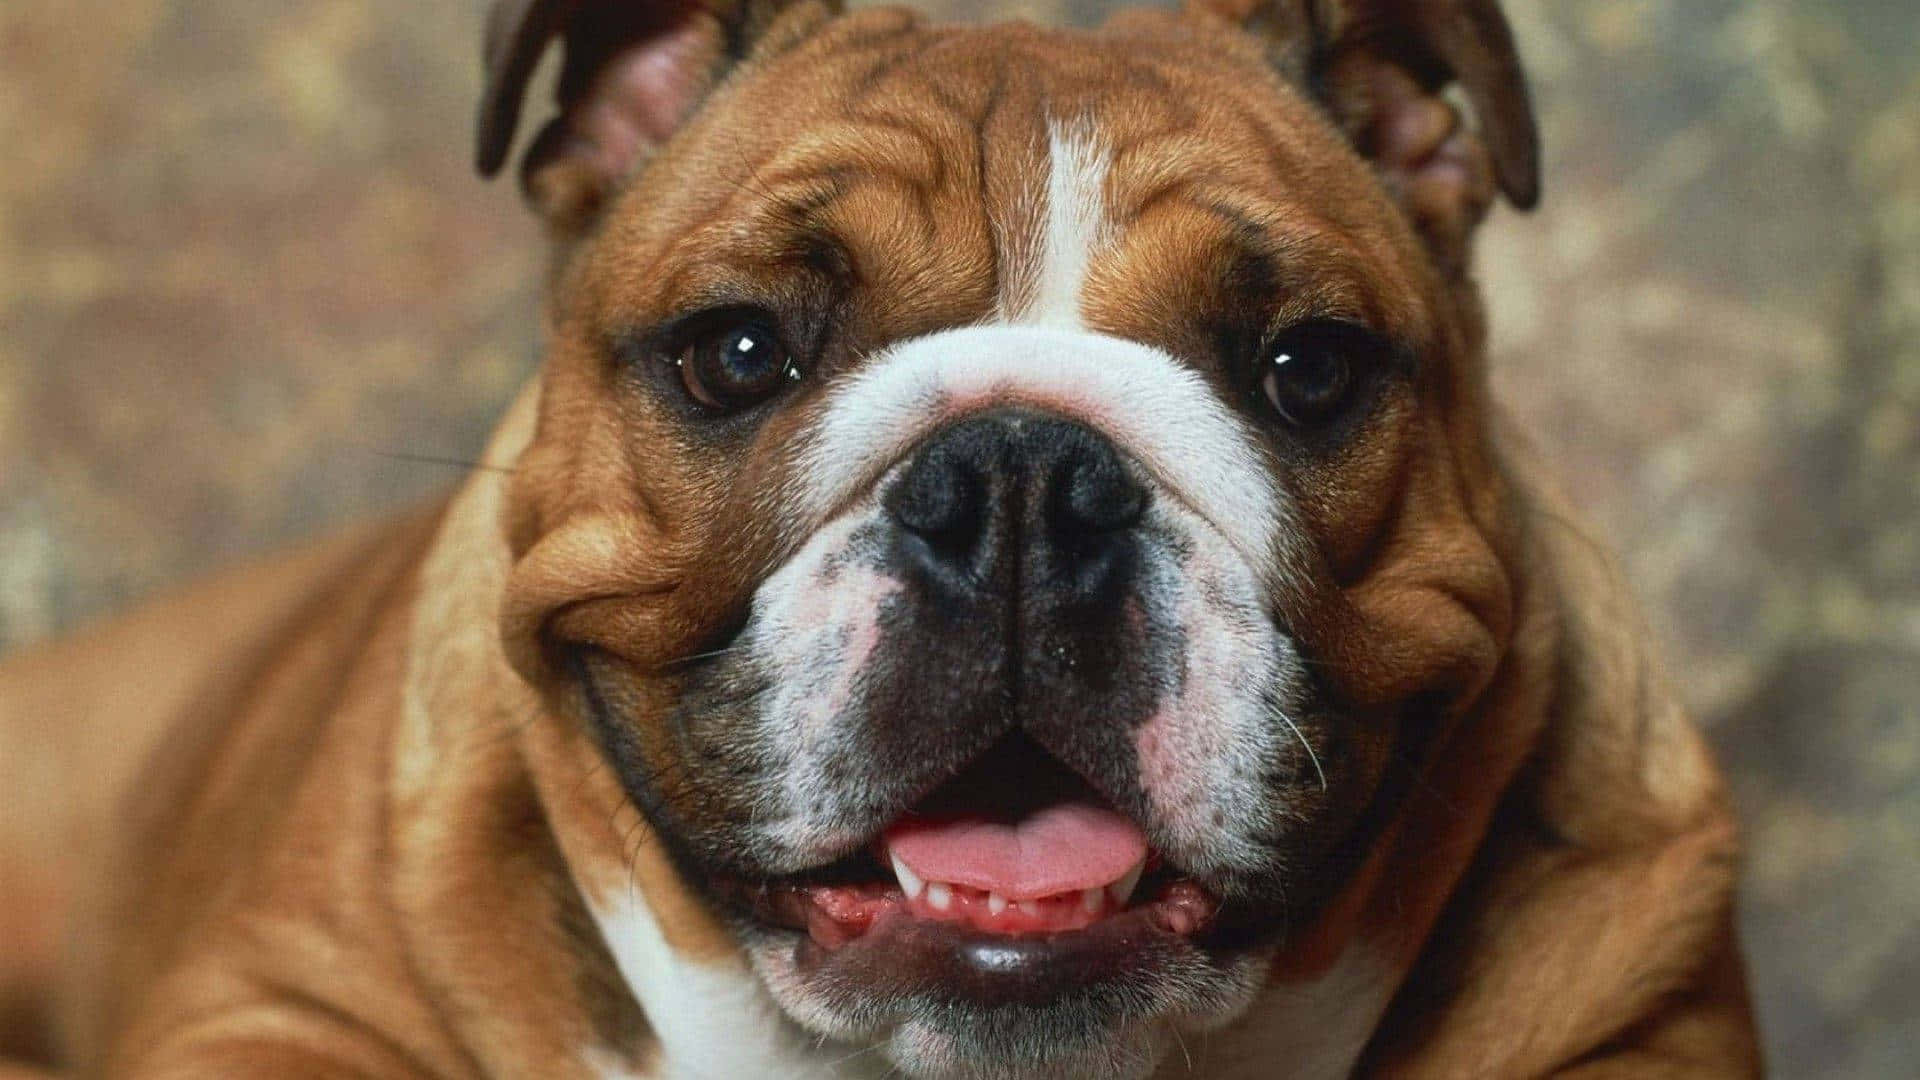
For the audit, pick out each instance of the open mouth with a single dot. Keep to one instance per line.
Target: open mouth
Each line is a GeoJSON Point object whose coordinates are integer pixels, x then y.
{"type": "Point", "coordinates": [1016, 857]}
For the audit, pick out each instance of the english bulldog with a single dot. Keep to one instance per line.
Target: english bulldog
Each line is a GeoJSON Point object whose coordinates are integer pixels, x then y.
{"type": "Point", "coordinates": [1009, 569]}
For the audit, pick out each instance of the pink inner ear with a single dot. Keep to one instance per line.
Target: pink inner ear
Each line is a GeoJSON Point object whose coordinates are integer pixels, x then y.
{"type": "Point", "coordinates": [1441, 171]}
{"type": "Point", "coordinates": [645, 93]}
{"type": "Point", "coordinates": [1423, 141]}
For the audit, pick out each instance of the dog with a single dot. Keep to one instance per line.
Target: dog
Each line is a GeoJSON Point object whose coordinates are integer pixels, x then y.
{"type": "Point", "coordinates": [1009, 568]}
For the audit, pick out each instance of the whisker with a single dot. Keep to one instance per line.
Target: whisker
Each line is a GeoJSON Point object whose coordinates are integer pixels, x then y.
{"type": "Point", "coordinates": [671, 665]}
{"type": "Point", "coordinates": [1311, 756]}
{"type": "Point", "coordinates": [435, 459]}
{"type": "Point", "coordinates": [862, 1052]}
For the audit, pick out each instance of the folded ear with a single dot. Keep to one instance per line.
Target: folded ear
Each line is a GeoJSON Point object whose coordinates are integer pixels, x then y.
{"type": "Point", "coordinates": [634, 70]}
{"type": "Point", "coordinates": [1380, 67]}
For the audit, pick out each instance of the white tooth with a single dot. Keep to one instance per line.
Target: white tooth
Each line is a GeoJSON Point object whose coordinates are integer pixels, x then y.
{"type": "Point", "coordinates": [1122, 890]}
{"type": "Point", "coordinates": [996, 903]}
{"type": "Point", "coordinates": [910, 882]}
{"type": "Point", "coordinates": [1092, 899]}
{"type": "Point", "coordinates": [1030, 908]}
{"type": "Point", "coordinates": [939, 895]}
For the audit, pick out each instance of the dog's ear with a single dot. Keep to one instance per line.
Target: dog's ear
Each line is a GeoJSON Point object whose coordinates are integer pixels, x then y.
{"type": "Point", "coordinates": [633, 71]}
{"type": "Point", "coordinates": [1380, 67]}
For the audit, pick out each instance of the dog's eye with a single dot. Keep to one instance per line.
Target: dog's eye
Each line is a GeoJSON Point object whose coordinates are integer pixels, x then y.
{"type": "Point", "coordinates": [1309, 374]}
{"type": "Point", "coordinates": [735, 364]}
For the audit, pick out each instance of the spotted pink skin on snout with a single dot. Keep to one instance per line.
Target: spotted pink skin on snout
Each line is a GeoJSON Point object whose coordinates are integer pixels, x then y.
{"type": "Point", "coordinates": [1197, 753]}
{"type": "Point", "coordinates": [1065, 848]}
{"type": "Point", "coordinates": [851, 604]}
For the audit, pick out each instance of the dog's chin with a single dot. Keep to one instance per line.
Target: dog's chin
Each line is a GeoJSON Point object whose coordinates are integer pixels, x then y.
{"type": "Point", "coordinates": [942, 1001]}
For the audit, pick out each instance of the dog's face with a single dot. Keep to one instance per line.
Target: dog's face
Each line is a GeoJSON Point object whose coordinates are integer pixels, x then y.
{"type": "Point", "coordinates": [1010, 505]}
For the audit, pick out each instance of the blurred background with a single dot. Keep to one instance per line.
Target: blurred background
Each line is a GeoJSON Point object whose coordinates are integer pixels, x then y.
{"type": "Point", "coordinates": [249, 289]}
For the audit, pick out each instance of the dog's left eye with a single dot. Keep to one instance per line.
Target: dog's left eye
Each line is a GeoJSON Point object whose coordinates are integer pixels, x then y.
{"type": "Point", "coordinates": [735, 364]}
{"type": "Point", "coordinates": [1310, 373]}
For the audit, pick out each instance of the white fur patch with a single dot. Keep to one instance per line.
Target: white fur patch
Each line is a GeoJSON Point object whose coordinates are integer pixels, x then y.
{"type": "Point", "coordinates": [714, 1022]}
{"type": "Point", "coordinates": [1154, 408]}
{"type": "Point", "coordinates": [1073, 227]}
{"type": "Point", "coordinates": [1319, 1027]}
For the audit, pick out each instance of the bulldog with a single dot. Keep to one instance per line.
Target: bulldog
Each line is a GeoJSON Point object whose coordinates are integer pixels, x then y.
{"type": "Point", "coordinates": [1009, 568]}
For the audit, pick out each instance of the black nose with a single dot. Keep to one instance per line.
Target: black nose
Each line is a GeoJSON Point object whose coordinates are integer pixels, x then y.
{"type": "Point", "coordinates": [1022, 502]}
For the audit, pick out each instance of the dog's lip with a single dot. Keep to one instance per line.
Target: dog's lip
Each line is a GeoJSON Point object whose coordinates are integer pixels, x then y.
{"type": "Point", "coordinates": [1013, 844]}
{"type": "Point", "coordinates": [855, 927]}
{"type": "Point", "coordinates": [865, 937]}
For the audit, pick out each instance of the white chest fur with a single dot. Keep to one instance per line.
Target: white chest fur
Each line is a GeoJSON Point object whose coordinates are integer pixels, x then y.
{"type": "Point", "coordinates": [713, 1021]}
{"type": "Point", "coordinates": [1306, 1030]}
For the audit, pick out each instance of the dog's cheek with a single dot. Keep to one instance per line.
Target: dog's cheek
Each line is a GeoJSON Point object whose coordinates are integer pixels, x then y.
{"type": "Point", "coordinates": [1251, 774]}
{"type": "Point", "coordinates": [1207, 752]}
{"type": "Point", "coordinates": [790, 693]}
{"type": "Point", "coordinates": [817, 632]}
{"type": "Point", "coordinates": [1347, 500]}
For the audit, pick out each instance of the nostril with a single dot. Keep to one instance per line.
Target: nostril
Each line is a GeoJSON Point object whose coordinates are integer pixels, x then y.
{"type": "Point", "coordinates": [1100, 497]}
{"type": "Point", "coordinates": [1019, 502]}
{"type": "Point", "coordinates": [937, 499]}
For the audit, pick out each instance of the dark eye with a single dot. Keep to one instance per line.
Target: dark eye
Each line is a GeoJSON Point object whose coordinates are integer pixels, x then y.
{"type": "Point", "coordinates": [1309, 374]}
{"type": "Point", "coordinates": [735, 364]}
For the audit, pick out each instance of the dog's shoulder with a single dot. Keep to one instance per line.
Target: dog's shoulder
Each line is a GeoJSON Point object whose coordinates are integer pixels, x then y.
{"type": "Point", "coordinates": [1606, 880]}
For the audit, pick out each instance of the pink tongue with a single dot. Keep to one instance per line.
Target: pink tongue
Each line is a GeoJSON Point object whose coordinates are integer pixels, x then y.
{"type": "Point", "coordinates": [1064, 848]}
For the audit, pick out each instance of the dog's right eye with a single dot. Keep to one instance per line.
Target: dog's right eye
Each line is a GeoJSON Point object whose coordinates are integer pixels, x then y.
{"type": "Point", "coordinates": [732, 364]}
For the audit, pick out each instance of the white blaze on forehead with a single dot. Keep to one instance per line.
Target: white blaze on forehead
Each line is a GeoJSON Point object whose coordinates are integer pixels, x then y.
{"type": "Point", "coordinates": [1154, 409]}
{"type": "Point", "coordinates": [1073, 229]}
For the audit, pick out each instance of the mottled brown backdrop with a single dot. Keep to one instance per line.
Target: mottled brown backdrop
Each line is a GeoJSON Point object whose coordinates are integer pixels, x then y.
{"type": "Point", "coordinates": [248, 290]}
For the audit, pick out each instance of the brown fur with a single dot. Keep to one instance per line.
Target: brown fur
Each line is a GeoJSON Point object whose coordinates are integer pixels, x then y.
{"type": "Point", "coordinates": [367, 820]}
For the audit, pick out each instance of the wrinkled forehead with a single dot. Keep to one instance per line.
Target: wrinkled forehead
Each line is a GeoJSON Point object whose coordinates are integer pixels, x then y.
{"type": "Point", "coordinates": [1141, 184]}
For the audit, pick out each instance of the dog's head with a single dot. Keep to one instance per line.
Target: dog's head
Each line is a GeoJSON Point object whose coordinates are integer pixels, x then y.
{"type": "Point", "coordinates": [1013, 506]}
